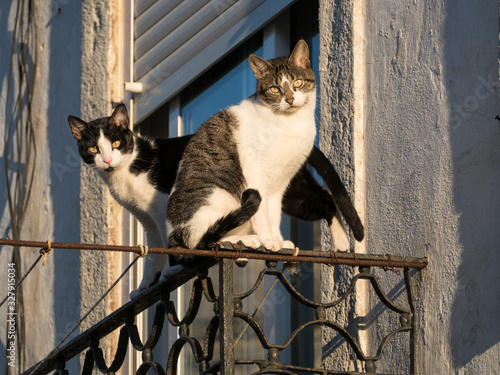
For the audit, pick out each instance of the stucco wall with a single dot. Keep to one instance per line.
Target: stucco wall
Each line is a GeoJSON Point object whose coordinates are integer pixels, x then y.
{"type": "Point", "coordinates": [336, 140]}
{"type": "Point", "coordinates": [50, 293]}
{"type": "Point", "coordinates": [69, 202]}
{"type": "Point", "coordinates": [93, 193]}
{"type": "Point", "coordinates": [431, 165]}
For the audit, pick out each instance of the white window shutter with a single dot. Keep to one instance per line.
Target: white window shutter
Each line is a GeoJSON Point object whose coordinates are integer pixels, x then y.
{"type": "Point", "coordinates": [177, 40]}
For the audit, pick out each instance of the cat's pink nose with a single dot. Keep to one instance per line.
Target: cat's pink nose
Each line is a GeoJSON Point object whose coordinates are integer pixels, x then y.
{"type": "Point", "coordinates": [289, 101]}
{"type": "Point", "coordinates": [108, 161]}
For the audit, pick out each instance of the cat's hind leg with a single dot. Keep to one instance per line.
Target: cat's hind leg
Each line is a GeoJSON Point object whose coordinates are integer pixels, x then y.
{"type": "Point", "coordinates": [340, 239]}
{"type": "Point", "coordinates": [153, 266]}
{"type": "Point", "coordinates": [307, 200]}
{"type": "Point", "coordinates": [170, 271]}
{"type": "Point", "coordinates": [222, 214]}
{"type": "Point", "coordinates": [153, 263]}
{"type": "Point", "coordinates": [244, 235]}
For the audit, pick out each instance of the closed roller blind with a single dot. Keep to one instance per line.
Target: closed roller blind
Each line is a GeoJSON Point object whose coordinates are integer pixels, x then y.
{"type": "Point", "coordinates": [177, 40]}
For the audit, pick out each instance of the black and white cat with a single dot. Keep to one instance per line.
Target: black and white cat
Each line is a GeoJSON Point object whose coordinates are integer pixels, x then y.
{"type": "Point", "coordinates": [140, 173]}
{"type": "Point", "coordinates": [236, 169]}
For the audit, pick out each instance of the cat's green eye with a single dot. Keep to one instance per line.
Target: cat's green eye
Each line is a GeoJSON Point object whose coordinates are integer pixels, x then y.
{"type": "Point", "coordinates": [297, 83]}
{"type": "Point", "coordinates": [116, 144]}
{"type": "Point", "coordinates": [93, 150]}
{"type": "Point", "coordinates": [274, 90]}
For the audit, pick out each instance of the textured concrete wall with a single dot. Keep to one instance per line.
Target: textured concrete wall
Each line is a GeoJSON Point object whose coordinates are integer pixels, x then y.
{"type": "Point", "coordinates": [100, 218]}
{"type": "Point", "coordinates": [336, 140]}
{"type": "Point", "coordinates": [431, 164]}
{"type": "Point", "coordinates": [51, 293]}
{"type": "Point", "coordinates": [69, 202]}
{"type": "Point", "coordinates": [93, 193]}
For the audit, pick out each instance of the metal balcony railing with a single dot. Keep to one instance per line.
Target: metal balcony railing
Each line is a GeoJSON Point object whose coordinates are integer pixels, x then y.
{"type": "Point", "coordinates": [227, 307]}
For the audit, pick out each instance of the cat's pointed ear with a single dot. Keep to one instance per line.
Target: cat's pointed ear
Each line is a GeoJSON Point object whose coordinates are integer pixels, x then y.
{"type": "Point", "coordinates": [77, 126]}
{"type": "Point", "coordinates": [300, 55]}
{"type": "Point", "coordinates": [120, 117]}
{"type": "Point", "coordinates": [259, 66]}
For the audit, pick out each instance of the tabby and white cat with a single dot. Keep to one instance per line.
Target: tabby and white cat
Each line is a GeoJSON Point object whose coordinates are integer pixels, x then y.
{"type": "Point", "coordinates": [238, 165]}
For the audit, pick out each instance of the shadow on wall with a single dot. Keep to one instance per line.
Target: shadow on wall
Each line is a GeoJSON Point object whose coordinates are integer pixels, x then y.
{"type": "Point", "coordinates": [471, 70]}
{"type": "Point", "coordinates": [5, 48]}
{"type": "Point", "coordinates": [5, 43]}
{"type": "Point", "coordinates": [65, 23]}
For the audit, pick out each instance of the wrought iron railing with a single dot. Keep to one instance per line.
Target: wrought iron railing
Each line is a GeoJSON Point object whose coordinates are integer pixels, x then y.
{"type": "Point", "coordinates": [227, 307]}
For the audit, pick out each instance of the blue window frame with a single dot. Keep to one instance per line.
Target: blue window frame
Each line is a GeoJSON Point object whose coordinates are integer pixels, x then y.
{"type": "Point", "coordinates": [230, 89]}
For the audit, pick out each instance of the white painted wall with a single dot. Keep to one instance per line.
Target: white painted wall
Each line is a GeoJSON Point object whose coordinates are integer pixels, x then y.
{"type": "Point", "coordinates": [431, 164]}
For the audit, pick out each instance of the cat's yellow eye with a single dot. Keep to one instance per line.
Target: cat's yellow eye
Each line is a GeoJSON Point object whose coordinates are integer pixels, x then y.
{"type": "Point", "coordinates": [116, 144]}
{"type": "Point", "coordinates": [297, 83]}
{"type": "Point", "coordinates": [274, 90]}
{"type": "Point", "coordinates": [93, 150]}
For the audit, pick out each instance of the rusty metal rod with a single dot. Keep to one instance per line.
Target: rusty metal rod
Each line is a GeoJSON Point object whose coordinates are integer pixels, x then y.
{"type": "Point", "coordinates": [225, 251]}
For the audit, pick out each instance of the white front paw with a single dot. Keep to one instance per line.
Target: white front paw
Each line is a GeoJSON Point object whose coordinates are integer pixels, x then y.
{"type": "Point", "coordinates": [134, 294]}
{"type": "Point", "coordinates": [146, 282]}
{"type": "Point", "coordinates": [251, 241]}
{"type": "Point", "coordinates": [170, 271]}
{"type": "Point", "coordinates": [273, 243]}
{"type": "Point", "coordinates": [153, 264]}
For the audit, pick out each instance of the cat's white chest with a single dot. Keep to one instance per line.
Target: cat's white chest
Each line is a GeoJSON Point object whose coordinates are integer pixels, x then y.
{"type": "Point", "coordinates": [272, 147]}
{"type": "Point", "coordinates": [135, 192]}
{"type": "Point", "coordinates": [126, 187]}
